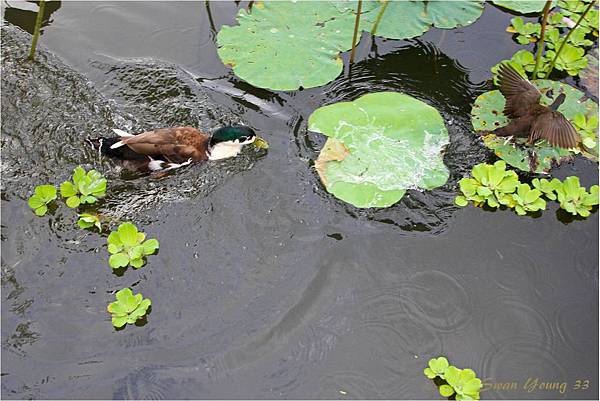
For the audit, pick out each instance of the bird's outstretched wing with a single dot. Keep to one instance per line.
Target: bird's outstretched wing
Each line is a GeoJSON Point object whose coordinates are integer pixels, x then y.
{"type": "Point", "coordinates": [520, 94]}
{"type": "Point", "coordinates": [556, 129]}
{"type": "Point", "coordinates": [175, 144]}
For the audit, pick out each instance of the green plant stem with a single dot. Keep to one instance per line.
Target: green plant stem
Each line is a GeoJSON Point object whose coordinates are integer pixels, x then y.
{"type": "Point", "coordinates": [36, 32]}
{"type": "Point", "coordinates": [356, 24]}
{"type": "Point", "coordinates": [541, 46]}
{"type": "Point", "coordinates": [564, 42]}
{"type": "Point", "coordinates": [379, 15]}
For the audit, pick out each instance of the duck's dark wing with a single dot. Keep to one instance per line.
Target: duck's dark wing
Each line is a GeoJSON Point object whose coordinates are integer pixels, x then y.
{"type": "Point", "coordinates": [176, 144]}
{"type": "Point", "coordinates": [555, 128]}
{"type": "Point", "coordinates": [521, 96]}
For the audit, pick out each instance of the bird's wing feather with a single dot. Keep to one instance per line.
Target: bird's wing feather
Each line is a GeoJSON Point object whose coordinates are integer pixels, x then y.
{"type": "Point", "coordinates": [556, 129]}
{"type": "Point", "coordinates": [176, 144]}
{"type": "Point", "coordinates": [520, 94]}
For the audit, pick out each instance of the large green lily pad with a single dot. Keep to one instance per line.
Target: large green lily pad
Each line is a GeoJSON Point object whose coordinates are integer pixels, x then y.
{"type": "Point", "coordinates": [408, 19]}
{"type": "Point", "coordinates": [487, 115]}
{"type": "Point", "coordinates": [523, 6]}
{"type": "Point", "coordinates": [285, 45]}
{"type": "Point", "coordinates": [288, 45]}
{"type": "Point", "coordinates": [379, 146]}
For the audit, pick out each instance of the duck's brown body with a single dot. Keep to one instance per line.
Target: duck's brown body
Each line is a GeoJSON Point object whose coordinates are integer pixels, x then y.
{"type": "Point", "coordinates": [176, 145]}
{"type": "Point", "coordinates": [528, 117]}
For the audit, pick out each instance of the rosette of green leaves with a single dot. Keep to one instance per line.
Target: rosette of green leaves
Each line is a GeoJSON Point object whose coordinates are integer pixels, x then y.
{"type": "Point", "coordinates": [85, 187]}
{"type": "Point", "coordinates": [528, 200]}
{"type": "Point", "coordinates": [437, 367]}
{"type": "Point", "coordinates": [463, 382]}
{"type": "Point", "coordinates": [548, 188]}
{"type": "Point", "coordinates": [87, 220]}
{"type": "Point", "coordinates": [571, 59]}
{"type": "Point", "coordinates": [526, 32]}
{"type": "Point", "coordinates": [127, 247]}
{"type": "Point", "coordinates": [574, 198]}
{"type": "Point", "coordinates": [490, 183]}
{"type": "Point", "coordinates": [42, 196]}
{"type": "Point", "coordinates": [128, 308]}
{"type": "Point", "coordinates": [588, 130]}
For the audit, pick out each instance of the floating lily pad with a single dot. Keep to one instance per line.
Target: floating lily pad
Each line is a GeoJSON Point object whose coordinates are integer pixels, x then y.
{"type": "Point", "coordinates": [524, 6]}
{"type": "Point", "coordinates": [487, 115]}
{"type": "Point", "coordinates": [286, 45]}
{"type": "Point", "coordinates": [379, 146]}
{"type": "Point", "coordinates": [408, 19]}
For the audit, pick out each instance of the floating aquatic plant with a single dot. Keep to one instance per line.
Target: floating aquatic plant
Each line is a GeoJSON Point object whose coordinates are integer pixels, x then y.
{"type": "Point", "coordinates": [462, 382]}
{"type": "Point", "coordinates": [522, 6]}
{"type": "Point", "coordinates": [127, 247]}
{"type": "Point", "coordinates": [85, 187]}
{"type": "Point", "coordinates": [491, 184]}
{"type": "Point", "coordinates": [487, 115]}
{"type": "Point", "coordinates": [574, 198]}
{"type": "Point", "coordinates": [87, 220]}
{"type": "Point", "coordinates": [289, 45]}
{"type": "Point", "coordinates": [525, 32]}
{"type": "Point", "coordinates": [528, 200]}
{"type": "Point", "coordinates": [495, 186]}
{"type": "Point", "coordinates": [128, 308]}
{"type": "Point", "coordinates": [43, 195]}
{"type": "Point", "coordinates": [380, 145]}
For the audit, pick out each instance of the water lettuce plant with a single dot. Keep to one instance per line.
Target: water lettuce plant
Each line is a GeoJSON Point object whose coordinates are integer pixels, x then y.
{"type": "Point", "coordinates": [462, 382]}
{"type": "Point", "coordinates": [85, 187]}
{"type": "Point", "coordinates": [43, 195]}
{"type": "Point", "coordinates": [380, 145]}
{"type": "Point", "coordinates": [574, 198]}
{"type": "Point", "coordinates": [127, 247]}
{"type": "Point", "coordinates": [487, 115]}
{"type": "Point", "coordinates": [288, 45]}
{"type": "Point", "coordinates": [528, 200]}
{"type": "Point", "coordinates": [588, 130]}
{"type": "Point", "coordinates": [87, 220]}
{"type": "Point", "coordinates": [571, 59]}
{"type": "Point", "coordinates": [525, 32]}
{"type": "Point", "coordinates": [491, 184]}
{"type": "Point", "coordinates": [495, 186]}
{"type": "Point", "coordinates": [128, 308]}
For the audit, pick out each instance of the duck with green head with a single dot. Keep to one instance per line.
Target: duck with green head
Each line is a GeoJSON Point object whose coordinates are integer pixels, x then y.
{"type": "Point", "coordinates": [170, 148]}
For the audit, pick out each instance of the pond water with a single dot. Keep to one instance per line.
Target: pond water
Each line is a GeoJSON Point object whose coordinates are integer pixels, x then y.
{"type": "Point", "coordinates": [265, 286]}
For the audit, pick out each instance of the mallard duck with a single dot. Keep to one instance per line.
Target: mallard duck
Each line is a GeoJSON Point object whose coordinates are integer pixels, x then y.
{"type": "Point", "coordinates": [170, 148]}
{"type": "Point", "coordinates": [528, 118]}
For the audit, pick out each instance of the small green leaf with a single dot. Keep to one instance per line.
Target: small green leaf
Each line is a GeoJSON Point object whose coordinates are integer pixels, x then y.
{"type": "Point", "coordinates": [78, 174]}
{"type": "Point", "coordinates": [118, 260]}
{"type": "Point", "coordinates": [73, 201]}
{"type": "Point", "coordinates": [128, 307]}
{"type": "Point", "coordinates": [461, 201]}
{"type": "Point", "coordinates": [128, 234]}
{"type": "Point", "coordinates": [67, 189]}
{"type": "Point", "coordinates": [446, 390]}
{"type": "Point", "coordinates": [40, 211]}
{"type": "Point", "coordinates": [136, 263]}
{"type": "Point", "coordinates": [150, 246]}
{"type": "Point", "coordinates": [429, 373]}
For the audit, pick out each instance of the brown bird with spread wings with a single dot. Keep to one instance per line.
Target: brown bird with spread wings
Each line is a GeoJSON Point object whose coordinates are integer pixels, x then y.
{"type": "Point", "coordinates": [528, 117]}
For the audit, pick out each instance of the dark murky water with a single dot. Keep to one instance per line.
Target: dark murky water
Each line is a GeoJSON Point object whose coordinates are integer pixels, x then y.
{"type": "Point", "coordinates": [265, 286]}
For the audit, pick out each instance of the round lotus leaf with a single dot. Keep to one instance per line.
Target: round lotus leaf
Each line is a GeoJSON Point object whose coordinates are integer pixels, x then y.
{"type": "Point", "coordinates": [379, 146]}
{"type": "Point", "coordinates": [487, 115]}
{"type": "Point", "coordinates": [523, 6]}
{"type": "Point", "coordinates": [451, 14]}
{"type": "Point", "coordinates": [288, 45]}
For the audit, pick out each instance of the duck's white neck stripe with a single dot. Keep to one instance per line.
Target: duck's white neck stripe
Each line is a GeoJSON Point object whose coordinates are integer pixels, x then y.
{"type": "Point", "coordinates": [224, 150]}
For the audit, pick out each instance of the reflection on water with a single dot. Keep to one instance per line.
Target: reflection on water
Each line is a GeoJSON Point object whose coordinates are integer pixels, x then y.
{"type": "Point", "coordinates": [266, 286]}
{"type": "Point", "coordinates": [19, 13]}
